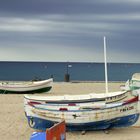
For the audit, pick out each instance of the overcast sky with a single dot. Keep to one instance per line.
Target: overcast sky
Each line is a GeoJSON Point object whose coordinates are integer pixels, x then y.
{"type": "Point", "coordinates": [69, 30]}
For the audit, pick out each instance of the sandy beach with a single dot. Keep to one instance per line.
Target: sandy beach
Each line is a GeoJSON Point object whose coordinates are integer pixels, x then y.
{"type": "Point", "coordinates": [14, 126]}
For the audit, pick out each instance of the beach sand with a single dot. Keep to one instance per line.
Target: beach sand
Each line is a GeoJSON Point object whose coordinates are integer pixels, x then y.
{"type": "Point", "coordinates": [14, 126]}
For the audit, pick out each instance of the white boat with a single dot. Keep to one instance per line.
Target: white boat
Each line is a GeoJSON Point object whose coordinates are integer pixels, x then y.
{"type": "Point", "coordinates": [79, 114]}
{"type": "Point", "coordinates": [82, 112]}
{"type": "Point", "coordinates": [25, 86]}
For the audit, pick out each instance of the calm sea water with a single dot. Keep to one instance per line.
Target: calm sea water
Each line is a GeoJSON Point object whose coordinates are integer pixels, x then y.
{"type": "Point", "coordinates": [77, 71]}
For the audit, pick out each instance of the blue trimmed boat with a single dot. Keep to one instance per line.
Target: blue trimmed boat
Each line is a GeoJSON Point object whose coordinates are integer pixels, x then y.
{"type": "Point", "coordinates": [82, 112]}
{"type": "Point", "coordinates": [81, 115]}
{"type": "Point", "coordinates": [25, 86]}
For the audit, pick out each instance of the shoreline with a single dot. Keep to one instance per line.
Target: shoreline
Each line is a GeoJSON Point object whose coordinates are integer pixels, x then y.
{"type": "Point", "coordinates": [76, 81]}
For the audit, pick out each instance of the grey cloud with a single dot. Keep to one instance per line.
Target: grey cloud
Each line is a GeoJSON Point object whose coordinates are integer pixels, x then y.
{"type": "Point", "coordinates": [66, 7]}
{"type": "Point", "coordinates": [71, 23]}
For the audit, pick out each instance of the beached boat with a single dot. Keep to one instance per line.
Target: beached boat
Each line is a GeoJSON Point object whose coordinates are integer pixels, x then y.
{"type": "Point", "coordinates": [81, 115]}
{"type": "Point", "coordinates": [82, 112]}
{"type": "Point", "coordinates": [25, 86]}
{"type": "Point", "coordinates": [133, 83]}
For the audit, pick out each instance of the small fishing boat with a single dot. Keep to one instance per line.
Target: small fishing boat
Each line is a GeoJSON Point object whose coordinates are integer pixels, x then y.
{"type": "Point", "coordinates": [81, 115]}
{"type": "Point", "coordinates": [25, 86]}
{"type": "Point", "coordinates": [83, 112]}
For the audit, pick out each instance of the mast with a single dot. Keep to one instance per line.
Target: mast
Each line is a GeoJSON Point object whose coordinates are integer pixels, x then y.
{"type": "Point", "coordinates": [105, 63]}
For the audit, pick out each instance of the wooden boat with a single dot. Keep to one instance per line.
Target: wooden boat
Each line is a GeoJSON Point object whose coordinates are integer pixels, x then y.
{"type": "Point", "coordinates": [82, 112]}
{"type": "Point", "coordinates": [81, 115]}
{"type": "Point", "coordinates": [25, 86]}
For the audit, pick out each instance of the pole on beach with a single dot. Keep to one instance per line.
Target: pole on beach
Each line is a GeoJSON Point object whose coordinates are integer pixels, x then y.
{"type": "Point", "coordinates": [67, 75]}
{"type": "Point", "coordinates": [105, 62]}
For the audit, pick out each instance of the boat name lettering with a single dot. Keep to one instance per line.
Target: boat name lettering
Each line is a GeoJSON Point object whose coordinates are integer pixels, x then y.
{"type": "Point", "coordinates": [126, 108]}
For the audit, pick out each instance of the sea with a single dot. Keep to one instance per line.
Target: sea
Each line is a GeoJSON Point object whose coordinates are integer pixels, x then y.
{"type": "Point", "coordinates": [78, 71]}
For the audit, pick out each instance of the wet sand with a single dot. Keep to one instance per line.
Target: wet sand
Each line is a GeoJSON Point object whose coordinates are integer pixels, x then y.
{"type": "Point", "coordinates": [14, 126]}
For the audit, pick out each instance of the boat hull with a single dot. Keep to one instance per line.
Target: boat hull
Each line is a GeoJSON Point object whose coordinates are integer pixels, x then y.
{"type": "Point", "coordinates": [82, 116]}
{"type": "Point", "coordinates": [40, 90]}
{"type": "Point", "coordinates": [26, 87]}
{"type": "Point", "coordinates": [125, 121]}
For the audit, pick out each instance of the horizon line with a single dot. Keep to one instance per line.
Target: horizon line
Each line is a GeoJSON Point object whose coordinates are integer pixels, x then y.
{"type": "Point", "coordinates": [67, 62]}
